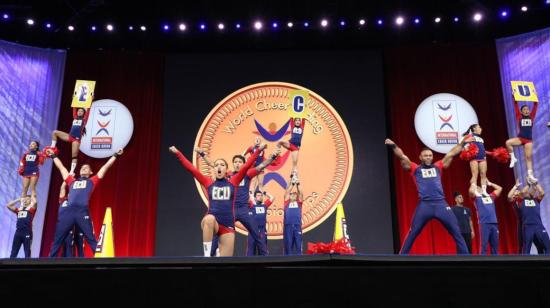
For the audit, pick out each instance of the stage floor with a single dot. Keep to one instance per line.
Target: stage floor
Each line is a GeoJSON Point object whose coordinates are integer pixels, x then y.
{"type": "Point", "coordinates": [294, 281]}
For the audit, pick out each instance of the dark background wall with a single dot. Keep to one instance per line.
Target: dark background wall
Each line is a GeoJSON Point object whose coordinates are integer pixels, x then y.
{"type": "Point", "coordinates": [351, 81]}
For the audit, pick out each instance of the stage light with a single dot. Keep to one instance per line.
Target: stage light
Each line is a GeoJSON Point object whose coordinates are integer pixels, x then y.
{"type": "Point", "coordinates": [221, 26]}
{"type": "Point", "coordinates": [182, 27]}
{"type": "Point", "coordinates": [275, 25]}
{"type": "Point", "coordinates": [504, 13]}
{"type": "Point", "coordinates": [93, 28]}
{"type": "Point", "coordinates": [30, 22]}
{"type": "Point", "coordinates": [547, 2]}
{"type": "Point", "coordinates": [5, 16]}
{"type": "Point", "coordinates": [417, 21]}
{"type": "Point", "coordinates": [143, 28]}
{"type": "Point", "coordinates": [70, 28]}
{"type": "Point", "coordinates": [48, 25]}
{"type": "Point", "coordinates": [165, 27]}
{"type": "Point", "coordinates": [258, 25]}
{"type": "Point", "coordinates": [342, 23]}
{"type": "Point", "coordinates": [437, 20]}
{"type": "Point", "coordinates": [202, 27]}
{"type": "Point", "coordinates": [290, 24]}
{"type": "Point", "coordinates": [362, 22]}
{"type": "Point", "coordinates": [399, 20]}
{"type": "Point", "coordinates": [478, 17]}
{"type": "Point", "coordinates": [324, 23]}
{"type": "Point", "coordinates": [524, 8]}
{"type": "Point", "coordinates": [131, 28]}
{"type": "Point", "coordinates": [379, 22]}
{"type": "Point", "coordinates": [238, 26]}
{"type": "Point", "coordinates": [456, 19]}
{"type": "Point", "coordinates": [306, 24]}
{"type": "Point", "coordinates": [110, 27]}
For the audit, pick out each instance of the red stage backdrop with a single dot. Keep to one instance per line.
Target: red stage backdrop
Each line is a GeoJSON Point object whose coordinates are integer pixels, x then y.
{"type": "Point", "coordinates": [470, 71]}
{"type": "Point", "coordinates": [131, 186]}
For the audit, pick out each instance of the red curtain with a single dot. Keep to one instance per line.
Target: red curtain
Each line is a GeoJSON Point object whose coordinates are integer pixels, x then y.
{"type": "Point", "coordinates": [470, 71]}
{"type": "Point", "coordinates": [130, 188]}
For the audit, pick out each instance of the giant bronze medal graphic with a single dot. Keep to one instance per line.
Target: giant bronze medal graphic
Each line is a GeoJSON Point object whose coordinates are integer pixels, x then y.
{"type": "Point", "coordinates": [325, 160]}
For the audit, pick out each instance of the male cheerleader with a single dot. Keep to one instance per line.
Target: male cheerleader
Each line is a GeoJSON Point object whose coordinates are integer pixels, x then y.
{"type": "Point", "coordinates": [23, 229]}
{"type": "Point", "coordinates": [513, 195]}
{"type": "Point", "coordinates": [487, 216]}
{"type": "Point", "coordinates": [80, 192]}
{"type": "Point", "coordinates": [432, 204]}
{"type": "Point", "coordinates": [464, 219]}
{"type": "Point", "coordinates": [292, 223]}
{"type": "Point", "coordinates": [75, 236]}
{"type": "Point", "coordinates": [258, 208]}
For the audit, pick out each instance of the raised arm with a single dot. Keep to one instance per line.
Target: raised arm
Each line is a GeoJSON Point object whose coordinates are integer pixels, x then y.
{"type": "Point", "coordinates": [513, 190]}
{"type": "Point", "coordinates": [517, 113]}
{"type": "Point", "coordinates": [62, 192]}
{"type": "Point", "coordinates": [202, 154]}
{"type": "Point", "coordinates": [34, 202]}
{"type": "Point", "coordinates": [11, 205]}
{"type": "Point", "coordinates": [268, 161]}
{"type": "Point", "coordinates": [235, 180]}
{"type": "Point", "coordinates": [270, 197]}
{"type": "Point", "coordinates": [540, 191]}
{"type": "Point", "coordinates": [300, 195]}
{"type": "Point", "coordinates": [448, 158]}
{"type": "Point", "coordinates": [534, 111]}
{"type": "Point", "coordinates": [405, 161]}
{"type": "Point", "coordinates": [498, 189]}
{"type": "Point", "coordinates": [289, 187]}
{"type": "Point", "coordinates": [109, 163]}
{"type": "Point", "coordinates": [204, 180]}
{"type": "Point", "coordinates": [57, 162]}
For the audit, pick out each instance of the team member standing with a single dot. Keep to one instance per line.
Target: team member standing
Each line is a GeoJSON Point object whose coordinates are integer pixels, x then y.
{"type": "Point", "coordinates": [478, 165]}
{"type": "Point", "coordinates": [23, 229]}
{"type": "Point", "coordinates": [78, 129]}
{"type": "Point", "coordinates": [464, 219]}
{"type": "Point", "coordinates": [221, 192]}
{"type": "Point", "coordinates": [525, 119]}
{"type": "Point", "coordinates": [75, 236]}
{"type": "Point", "coordinates": [513, 196]}
{"type": "Point", "coordinates": [529, 203]}
{"type": "Point", "coordinates": [29, 168]}
{"type": "Point", "coordinates": [487, 216]}
{"type": "Point", "coordinates": [258, 208]}
{"type": "Point", "coordinates": [432, 204]}
{"type": "Point", "coordinates": [293, 145]}
{"type": "Point", "coordinates": [292, 221]}
{"type": "Point", "coordinates": [80, 192]}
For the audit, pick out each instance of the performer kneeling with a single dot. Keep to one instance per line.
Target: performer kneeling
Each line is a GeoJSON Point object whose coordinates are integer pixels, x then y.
{"type": "Point", "coordinates": [23, 229]}
{"type": "Point", "coordinates": [220, 218]}
{"type": "Point", "coordinates": [487, 216]}
{"type": "Point", "coordinates": [432, 204]}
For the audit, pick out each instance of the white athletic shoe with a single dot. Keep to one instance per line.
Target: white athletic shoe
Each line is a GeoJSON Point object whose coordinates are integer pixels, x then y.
{"type": "Point", "coordinates": [532, 180]}
{"type": "Point", "coordinates": [513, 161]}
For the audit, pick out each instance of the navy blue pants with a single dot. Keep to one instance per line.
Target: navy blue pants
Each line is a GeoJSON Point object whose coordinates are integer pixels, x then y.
{"type": "Point", "coordinates": [428, 210]}
{"type": "Point", "coordinates": [538, 244]}
{"type": "Point", "coordinates": [489, 235]}
{"type": "Point", "coordinates": [74, 239]}
{"type": "Point", "coordinates": [21, 239]}
{"type": "Point", "coordinates": [532, 233]}
{"type": "Point", "coordinates": [246, 218]}
{"type": "Point", "coordinates": [292, 238]}
{"type": "Point", "coordinates": [252, 248]}
{"type": "Point", "coordinates": [79, 217]}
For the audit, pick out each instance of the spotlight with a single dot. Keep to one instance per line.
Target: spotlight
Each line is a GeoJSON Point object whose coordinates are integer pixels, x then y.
{"type": "Point", "coordinates": [524, 8]}
{"type": "Point", "coordinates": [417, 21]}
{"type": "Point", "coordinates": [110, 27]}
{"type": "Point", "coordinates": [456, 19]}
{"type": "Point", "coordinates": [275, 25]}
{"type": "Point", "coordinates": [70, 28]}
{"type": "Point", "coordinates": [504, 13]}
{"type": "Point", "coordinates": [399, 20]}
{"type": "Point", "coordinates": [362, 22]}
{"type": "Point", "coordinates": [143, 28]}
{"type": "Point", "coordinates": [342, 23]}
{"type": "Point", "coordinates": [202, 27]}
{"type": "Point", "coordinates": [93, 28]}
{"type": "Point", "coordinates": [478, 17]}
{"type": "Point", "coordinates": [221, 26]}
{"type": "Point", "coordinates": [324, 23]}
{"type": "Point", "coordinates": [306, 24]}
{"type": "Point", "coordinates": [437, 19]}
{"type": "Point", "coordinates": [290, 24]}
{"type": "Point", "coordinates": [379, 22]}
{"type": "Point", "coordinates": [182, 27]}
{"type": "Point", "coordinates": [165, 27]}
{"type": "Point", "coordinates": [5, 16]}
{"type": "Point", "coordinates": [258, 25]}
{"type": "Point", "coordinates": [48, 25]}
{"type": "Point", "coordinates": [30, 22]}
{"type": "Point", "coordinates": [131, 28]}
{"type": "Point", "coordinates": [238, 26]}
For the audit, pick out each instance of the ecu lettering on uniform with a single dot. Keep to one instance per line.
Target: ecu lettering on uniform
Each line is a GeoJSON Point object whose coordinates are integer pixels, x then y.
{"type": "Point", "coordinates": [260, 210]}
{"type": "Point", "coordinates": [297, 130]}
{"type": "Point", "coordinates": [221, 193]}
{"type": "Point", "coordinates": [79, 184]}
{"type": "Point", "coordinates": [22, 214]}
{"type": "Point", "coordinates": [487, 200]}
{"type": "Point", "coordinates": [77, 122]}
{"type": "Point", "coordinates": [30, 157]}
{"type": "Point", "coordinates": [429, 173]}
{"type": "Point", "coordinates": [526, 122]}
{"type": "Point", "coordinates": [530, 203]}
{"type": "Point", "coordinates": [293, 205]}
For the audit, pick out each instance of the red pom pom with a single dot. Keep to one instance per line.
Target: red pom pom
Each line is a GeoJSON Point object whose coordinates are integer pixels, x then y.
{"type": "Point", "coordinates": [54, 149]}
{"type": "Point", "coordinates": [20, 170]}
{"type": "Point", "coordinates": [469, 152]}
{"type": "Point", "coordinates": [500, 154]}
{"type": "Point", "coordinates": [341, 246]}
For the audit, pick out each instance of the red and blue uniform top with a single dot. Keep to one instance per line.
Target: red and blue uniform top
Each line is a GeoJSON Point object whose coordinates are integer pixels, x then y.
{"type": "Point", "coordinates": [530, 210]}
{"type": "Point", "coordinates": [77, 128]}
{"type": "Point", "coordinates": [63, 204]}
{"type": "Point", "coordinates": [478, 141]}
{"type": "Point", "coordinates": [525, 123]}
{"type": "Point", "coordinates": [25, 216]}
{"type": "Point", "coordinates": [293, 212]}
{"type": "Point", "coordinates": [242, 198]}
{"type": "Point", "coordinates": [259, 210]}
{"type": "Point", "coordinates": [251, 150]}
{"type": "Point", "coordinates": [485, 206]}
{"type": "Point", "coordinates": [296, 132]}
{"type": "Point", "coordinates": [30, 162]}
{"type": "Point", "coordinates": [428, 180]}
{"type": "Point", "coordinates": [80, 190]}
{"type": "Point", "coordinates": [221, 192]}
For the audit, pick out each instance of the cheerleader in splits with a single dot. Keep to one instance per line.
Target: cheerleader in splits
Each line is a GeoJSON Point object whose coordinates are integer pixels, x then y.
{"type": "Point", "coordinates": [478, 165]}
{"type": "Point", "coordinates": [29, 168]}
{"type": "Point", "coordinates": [525, 119]}
{"type": "Point", "coordinates": [293, 145]}
{"type": "Point", "coordinates": [220, 217]}
{"type": "Point", "coordinates": [78, 129]}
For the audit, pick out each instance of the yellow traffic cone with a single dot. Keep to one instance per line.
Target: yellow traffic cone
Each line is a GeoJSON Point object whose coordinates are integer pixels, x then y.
{"type": "Point", "coordinates": [340, 228]}
{"type": "Point", "coordinates": [106, 245]}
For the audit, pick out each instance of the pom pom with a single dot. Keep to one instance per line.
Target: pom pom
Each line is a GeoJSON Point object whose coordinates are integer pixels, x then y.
{"type": "Point", "coordinates": [469, 152]}
{"type": "Point", "coordinates": [341, 246]}
{"type": "Point", "coordinates": [20, 170]}
{"type": "Point", "coordinates": [54, 149]}
{"type": "Point", "coordinates": [500, 154]}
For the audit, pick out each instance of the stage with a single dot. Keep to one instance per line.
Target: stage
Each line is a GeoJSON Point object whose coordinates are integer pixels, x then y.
{"type": "Point", "coordinates": [298, 281]}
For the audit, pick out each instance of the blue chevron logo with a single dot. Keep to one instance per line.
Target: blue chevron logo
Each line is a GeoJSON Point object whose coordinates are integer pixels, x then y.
{"type": "Point", "coordinates": [269, 136]}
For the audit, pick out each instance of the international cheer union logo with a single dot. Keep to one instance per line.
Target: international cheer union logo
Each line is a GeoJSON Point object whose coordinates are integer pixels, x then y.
{"type": "Point", "coordinates": [325, 160]}
{"type": "Point", "coordinates": [109, 127]}
{"type": "Point", "coordinates": [441, 119]}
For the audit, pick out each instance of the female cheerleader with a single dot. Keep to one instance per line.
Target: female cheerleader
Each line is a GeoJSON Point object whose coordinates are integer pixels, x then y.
{"type": "Point", "coordinates": [478, 165]}
{"type": "Point", "coordinates": [78, 129]}
{"type": "Point", "coordinates": [293, 145]}
{"type": "Point", "coordinates": [29, 168]}
{"type": "Point", "coordinates": [525, 119]}
{"type": "Point", "coordinates": [220, 217]}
